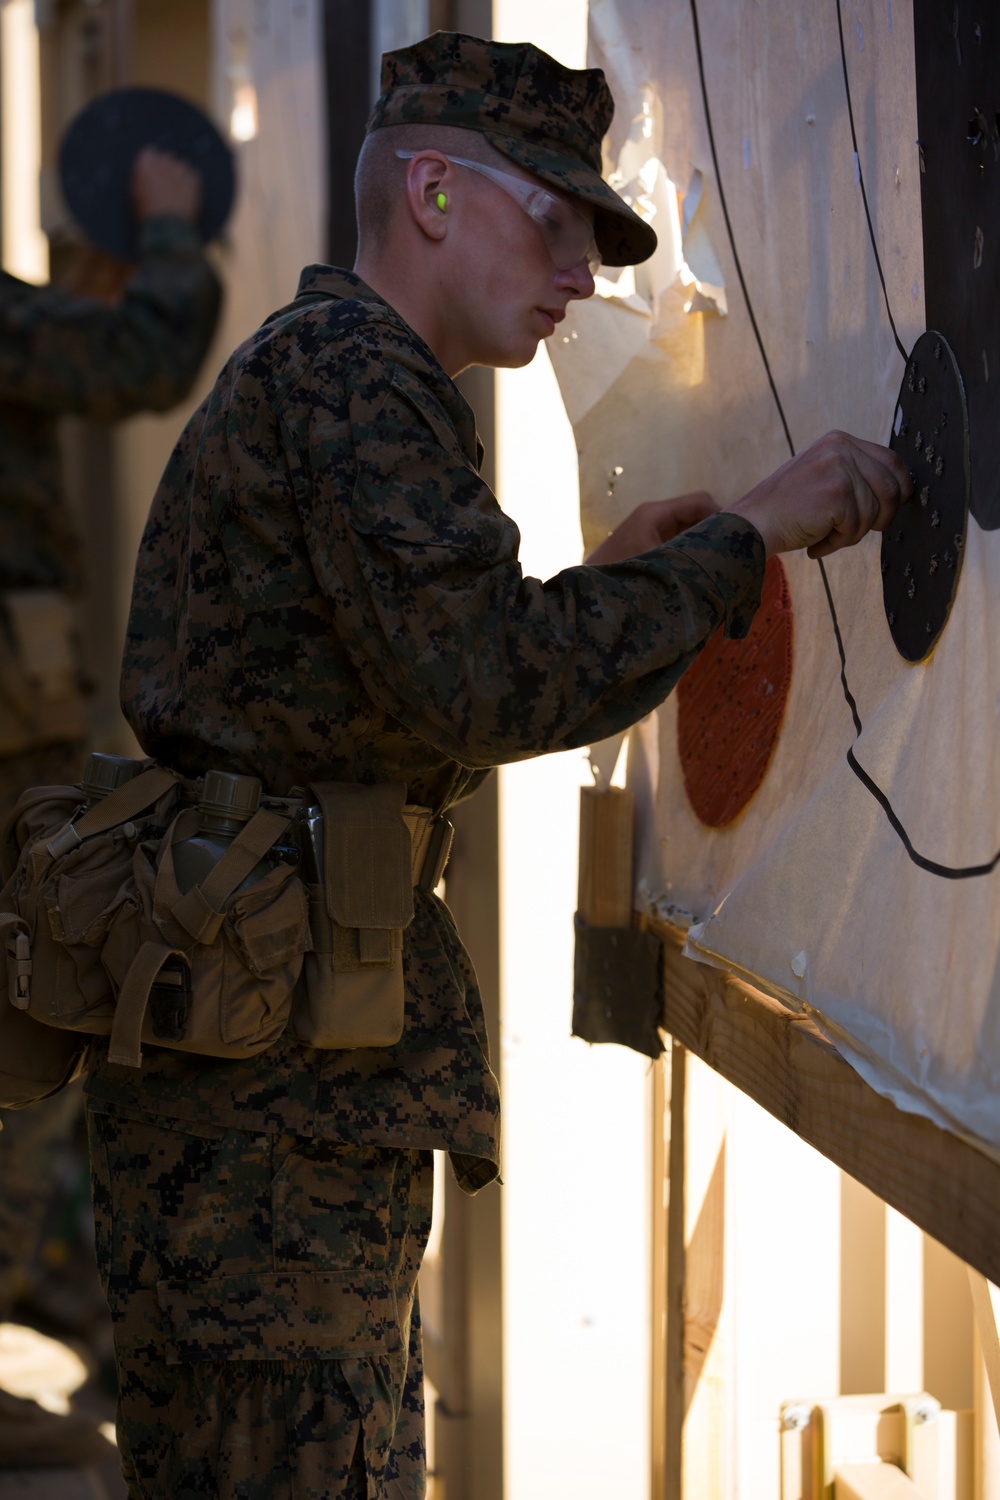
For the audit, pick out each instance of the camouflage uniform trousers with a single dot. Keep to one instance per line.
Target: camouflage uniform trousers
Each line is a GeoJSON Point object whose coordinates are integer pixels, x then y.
{"type": "Point", "coordinates": [33, 1140]}
{"type": "Point", "coordinates": [263, 1293]}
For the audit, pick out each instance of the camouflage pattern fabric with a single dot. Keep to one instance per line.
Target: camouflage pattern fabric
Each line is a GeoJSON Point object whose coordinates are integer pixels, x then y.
{"type": "Point", "coordinates": [546, 117]}
{"type": "Point", "coordinates": [60, 354]}
{"type": "Point", "coordinates": [263, 1291]}
{"type": "Point", "coordinates": [328, 590]}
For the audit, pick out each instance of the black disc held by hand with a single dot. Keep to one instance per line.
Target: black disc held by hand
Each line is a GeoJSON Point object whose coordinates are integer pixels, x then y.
{"type": "Point", "coordinates": [99, 150]}
{"type": "Point", "coordinates": [923, 548]}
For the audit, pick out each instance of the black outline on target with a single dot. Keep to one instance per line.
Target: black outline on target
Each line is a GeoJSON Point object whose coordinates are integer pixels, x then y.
{"type": "Point", "coordinates": [947, 872]}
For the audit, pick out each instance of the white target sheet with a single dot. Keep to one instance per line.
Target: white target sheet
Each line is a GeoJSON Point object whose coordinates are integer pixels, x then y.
{"type": "Point", "coordinates": [858, 880]}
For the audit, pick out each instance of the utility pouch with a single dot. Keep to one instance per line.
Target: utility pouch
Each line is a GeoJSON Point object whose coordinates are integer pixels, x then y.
{"type": "Point", "coordinates": [65, 889]}
{"type": "Point", "coordinates": [352, 991]}
{"type": "Point", "coordinates": [41, 702]}
{"type": "Point", "coordinates": [211, 970]}
{"type": "Point", "coordinates": [35, 1060]}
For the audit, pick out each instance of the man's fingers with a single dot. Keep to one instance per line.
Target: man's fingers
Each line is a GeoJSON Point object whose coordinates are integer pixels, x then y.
{"type": "Point", "coordinates": [885, 487]}
{"type": "Point", "coordinates": [681, 511]}
{"type": "Point", "coordinates": [833, 543]}
{"type": "Point", "coordinates": [887, 477]}
{"type": "Point", "coordinates": [829, 496]}
{"type": "Point", "coordinates": [883, 454]}
{"type": "Point", "coordinates": [869, 488]}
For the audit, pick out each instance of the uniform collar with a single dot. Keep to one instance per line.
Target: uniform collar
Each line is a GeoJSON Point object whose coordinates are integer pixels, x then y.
{"type": "Point", "coordinates": [333, 282]}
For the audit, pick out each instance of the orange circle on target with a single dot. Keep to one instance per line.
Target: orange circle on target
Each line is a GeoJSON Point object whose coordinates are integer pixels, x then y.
{"type": "Point", "coordinates": [730, 706]}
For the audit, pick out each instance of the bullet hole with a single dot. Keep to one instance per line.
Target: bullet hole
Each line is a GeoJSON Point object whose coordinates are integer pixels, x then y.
{"type": "Point", "coordinates": [977, 130]}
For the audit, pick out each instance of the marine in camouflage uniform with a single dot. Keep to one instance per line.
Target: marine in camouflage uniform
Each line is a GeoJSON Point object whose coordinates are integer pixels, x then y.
{"type": "Point", "coordinates": [328, 590]}
{"type": "Point", "coordinates": [63, 353]}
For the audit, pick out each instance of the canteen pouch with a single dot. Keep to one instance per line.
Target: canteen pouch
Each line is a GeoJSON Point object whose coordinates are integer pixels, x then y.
{"type": "Point", "coordinates": [351, 993]}
{"type": "Point", "coordinates": [41, 702]}
{"type": "Point", "coordinates": [69, 868]}
{"type": "Point", "coordinates": [211, 971]}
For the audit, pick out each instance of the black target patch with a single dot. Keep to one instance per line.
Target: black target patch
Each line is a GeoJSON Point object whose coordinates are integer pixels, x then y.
{"type": "Point", "coordinates": [922, 551]}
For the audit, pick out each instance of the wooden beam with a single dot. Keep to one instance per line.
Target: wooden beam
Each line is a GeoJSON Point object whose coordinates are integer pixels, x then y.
{"type": "Point", "coordinates": [873, 1482]}
{"type": "Point", "coordinates": [938, 1180]}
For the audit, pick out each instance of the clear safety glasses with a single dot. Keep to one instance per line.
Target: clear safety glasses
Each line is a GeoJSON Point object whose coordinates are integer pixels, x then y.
{"type": "Point", "coordinates": [568, 234]}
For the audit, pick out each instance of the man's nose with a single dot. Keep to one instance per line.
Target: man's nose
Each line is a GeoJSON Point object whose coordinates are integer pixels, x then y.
{"type": "Point", "coordinates": [578, 280]}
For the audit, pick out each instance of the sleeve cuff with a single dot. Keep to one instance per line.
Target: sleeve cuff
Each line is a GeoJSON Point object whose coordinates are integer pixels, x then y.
{"type": "Point", "coordinates": [730, 550]}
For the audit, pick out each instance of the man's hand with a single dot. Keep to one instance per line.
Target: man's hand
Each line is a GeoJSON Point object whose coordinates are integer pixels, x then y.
{"type": "Point", "coordinates": [163, 184]}
{"type": "Point", "coordinates": [650, 524]}
{"type": "Point", "coordinates": [828, 497]}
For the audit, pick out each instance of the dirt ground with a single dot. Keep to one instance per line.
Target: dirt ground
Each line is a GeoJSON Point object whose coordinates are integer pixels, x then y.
{"type": "Point", "coordinates": [60, 1378]}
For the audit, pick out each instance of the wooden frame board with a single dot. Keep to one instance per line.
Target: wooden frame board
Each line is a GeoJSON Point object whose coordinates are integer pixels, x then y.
{"type": "Point", "coordinates": [940, 1181]}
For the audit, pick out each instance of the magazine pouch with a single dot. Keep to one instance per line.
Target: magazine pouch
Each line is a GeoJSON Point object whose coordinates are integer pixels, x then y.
{"type": "Point", "coordinates": [351, 994]}
{"type": "Point", "coordinates": [52, 985]}
{"type": "Point", "coordinates": [71, 863]}
{"type": "Point", "coordinates": [210, 970]}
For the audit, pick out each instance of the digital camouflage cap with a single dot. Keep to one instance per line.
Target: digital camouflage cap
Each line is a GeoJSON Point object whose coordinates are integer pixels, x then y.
{"type": "Point", "coordinates": [547, 118]}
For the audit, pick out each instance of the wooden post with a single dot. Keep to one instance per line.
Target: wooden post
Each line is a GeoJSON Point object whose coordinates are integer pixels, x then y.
{"type": "Point", "coordinates": [660, 1187]}
{"type": "Point", "coordinates": [986, 1435]}
{"type": "Point", "coordinates": [674, 1405]}
{"type": "Point", "coordinates": [346, 42]}
{"type": "Point", "coordinates": [985, 1303]}
{"type": "Point", "coordinates": [697, 1383]}
{"type": "Point", "coordinates": [469, 1359]}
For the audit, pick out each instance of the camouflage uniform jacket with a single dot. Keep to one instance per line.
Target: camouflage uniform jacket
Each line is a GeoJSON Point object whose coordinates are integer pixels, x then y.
{"type": "Point", "coordinates": [327, 589]}
{"type": "Point", "coordinates": [63, 353]}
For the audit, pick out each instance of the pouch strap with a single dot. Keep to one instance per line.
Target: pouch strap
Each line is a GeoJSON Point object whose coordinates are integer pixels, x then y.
{"type": "Point", "coordinates": [14, 933]}
{"type": "Point", "coordinates": [197, 912]}
{"type": "Point", "coordinates": [121, 805]}
{"type": "Point", "coordinates": [125, 1046]}
{"type": "Point", "coordinates": [200, 911]}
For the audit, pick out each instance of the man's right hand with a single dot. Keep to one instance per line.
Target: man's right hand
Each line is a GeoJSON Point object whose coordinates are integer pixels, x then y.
{"type": "Point", "coordinates": [164, 184]}
{"type": "Point", "coordinates": [828, 497]}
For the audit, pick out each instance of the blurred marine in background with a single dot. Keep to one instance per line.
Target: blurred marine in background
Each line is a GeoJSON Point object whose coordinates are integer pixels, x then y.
{"type": "Point", "coordinates": [125, 339]}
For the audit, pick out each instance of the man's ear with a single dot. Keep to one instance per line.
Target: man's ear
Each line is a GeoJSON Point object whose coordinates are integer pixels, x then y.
{"type": "Point", "coordinates": [427, 178]}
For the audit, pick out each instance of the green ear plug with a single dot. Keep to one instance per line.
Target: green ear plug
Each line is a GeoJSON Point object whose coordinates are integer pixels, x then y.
{"type": "Point", "coordinates": [441, 201]}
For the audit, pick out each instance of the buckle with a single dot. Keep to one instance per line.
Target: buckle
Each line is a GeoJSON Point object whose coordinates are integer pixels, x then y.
{"type": "Point", "coordinates": [19, 970]}
{"type": "Point", "coordinates": [170, 997]}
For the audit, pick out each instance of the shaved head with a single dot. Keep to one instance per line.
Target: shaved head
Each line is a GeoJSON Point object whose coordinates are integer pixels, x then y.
{"type": "Point", "coordinates": [380, 174]}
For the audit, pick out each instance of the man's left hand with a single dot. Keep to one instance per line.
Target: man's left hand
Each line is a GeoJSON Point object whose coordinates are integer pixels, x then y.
{"type": "Point", "coordinates": [652, 524]}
